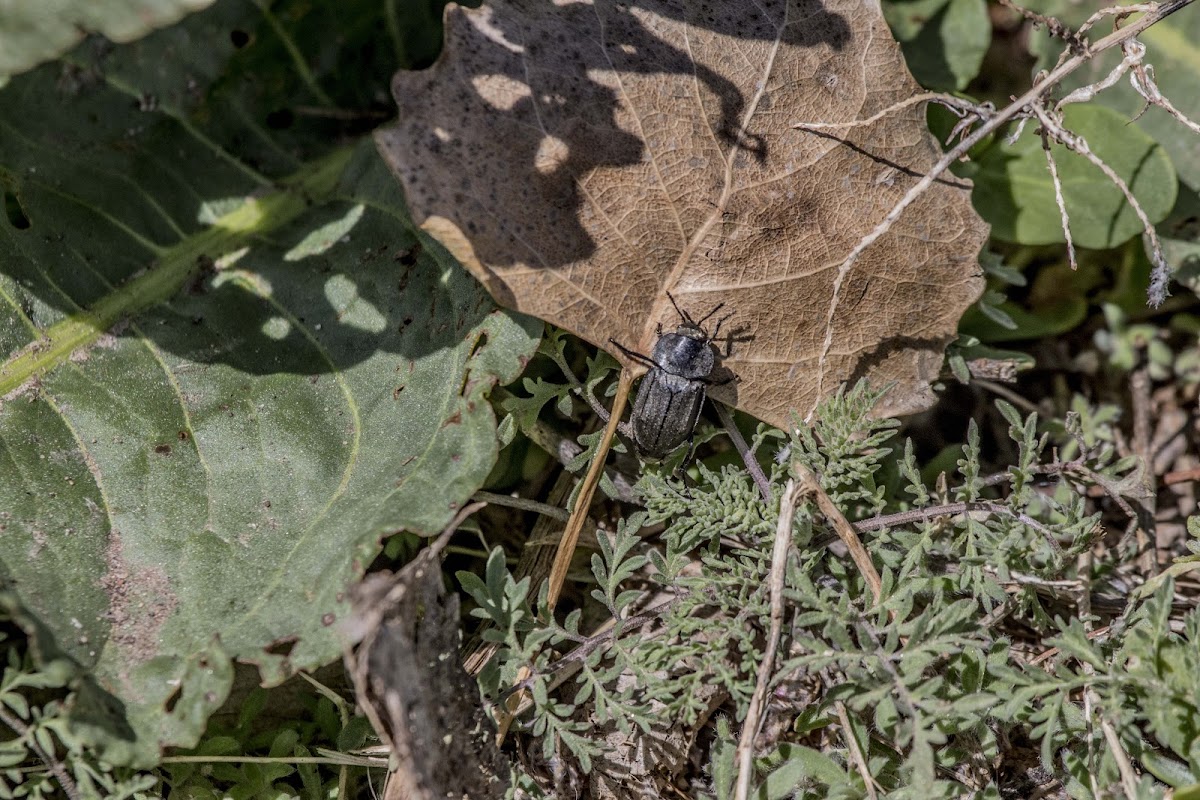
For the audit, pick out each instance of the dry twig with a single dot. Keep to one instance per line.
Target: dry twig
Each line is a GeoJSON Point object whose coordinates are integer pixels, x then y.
{"type": "Point", "coordinates": [1024, 106]}
{"type": "Point", "coordinates": [754, 716]}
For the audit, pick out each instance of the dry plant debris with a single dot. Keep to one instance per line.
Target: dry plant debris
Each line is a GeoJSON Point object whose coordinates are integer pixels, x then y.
{"type": "Point", "coordinates": [584, 159]}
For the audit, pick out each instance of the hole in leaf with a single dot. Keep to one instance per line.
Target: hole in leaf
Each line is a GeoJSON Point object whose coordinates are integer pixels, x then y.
{"type": "Point", "coordinates": [282, 647]}
{"type": "Point", "coordinates": [169, 706]}
{"type": "Point", "coordinates": [15, 213]}
{"type": "Point", "coordinates": [239, 38]}
{"type": "Point", "coordinates": [280, 118]}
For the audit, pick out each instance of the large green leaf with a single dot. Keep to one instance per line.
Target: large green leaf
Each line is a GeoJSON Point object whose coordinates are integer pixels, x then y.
{"type": "Point", "coordinates": [33, 32]}
{"type": "Point", "coordinates": [944, 41]}
{"type": "Point", "coordinates": [230, 366]}
{"type": "Point", "coordinates": [1172, 48]}
{"type": "Point", "coordinates": [1014, 192]}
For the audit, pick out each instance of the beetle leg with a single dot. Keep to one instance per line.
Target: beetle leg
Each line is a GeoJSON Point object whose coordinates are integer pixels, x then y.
{"type": "Point", "coordinates": [717, 330]}
{"type": "Point", "coordinates": [687, 458]}
{"type": "Point", "coordinates": [636, 356]}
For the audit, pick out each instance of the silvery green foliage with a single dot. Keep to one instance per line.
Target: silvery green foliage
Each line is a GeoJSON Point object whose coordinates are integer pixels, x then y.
{"type": "Point", "coordinates": [36, 729]}
{"type": "Point", "coordinates": [934, 685]}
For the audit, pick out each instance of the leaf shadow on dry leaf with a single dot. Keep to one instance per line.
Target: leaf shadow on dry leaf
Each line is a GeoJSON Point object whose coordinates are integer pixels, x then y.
{"type": "Point", "coordinates": [584, 159]}
{"type": "Point", "coordinates": [591, 136]}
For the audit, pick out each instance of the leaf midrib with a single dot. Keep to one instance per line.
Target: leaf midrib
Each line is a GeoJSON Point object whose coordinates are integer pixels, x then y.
{"type": "Point", "coordinates": [312, 184]}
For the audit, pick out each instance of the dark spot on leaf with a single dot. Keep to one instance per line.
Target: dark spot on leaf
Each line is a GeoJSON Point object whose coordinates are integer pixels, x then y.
{"type": "Point", "coordinates": [456, 458]}
{"type": "Point", "coordinates": [282, 647]}
{"type": "Point", "coordinates": [409, 257]}
{"type": "Point", "coordinates": [239, 38]}
{"type": "Point", "coordinates": [162, 449]}
{"type": "Point", "coordinates": [203, 662]}
{"type": "Point", "coordinates": [328, 619]}
{"type": "Point", "coordinates": [280, 119]}
{"type": "Point", "coordinates": [266, 503]}
{"type": "Point", "coordinates": [396, 392]}
{"type": "Point", "coordinates": [14, 212]}
{"type": "Point", "coordinates": [169, 706]}
{"type": "Point", "coordinates": [454, 419]}
{"type": "Point", "coordinates": [184, 436]}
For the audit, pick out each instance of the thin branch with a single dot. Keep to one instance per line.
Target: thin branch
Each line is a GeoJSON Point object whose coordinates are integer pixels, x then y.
{"type": "Point", "coordinates": [1021, 104]}
{"type": "Point", "coordinates": [522, 504]}
{"type": "Point", "coordinates": [1182, 476]}
{"type": "Point", "coordinates": [1143, 448]}
{"type": "Point", "coordinates": [1052, 165]}
{"type": "Point", "coordinates": [1052, 25]}
{"type": "Point", "coordinates": [956, 104]}
{"type": "Point", "coordinates": [739, 442]}
{"type": "Point", "coordinates": [845, 531]}
{"type": "Point", "coordinates": [856, 753]}
{"type": "Point", "coordinates": [1143, 81]}
{"type": "Point", "coordinates": [1129, 780]}
{"type": "Point", "coordinates": [758, 701]}
{"type": "Point", "coordinates": [344, 760]}
{"type": "Point", "coordinates": [953, 509]}
{"type": "Point", "coordinates": [55, 766]}
{"type": "Point", "coordinates": [566, 547]}
{"type": "Point", "coordinates": [1162, 271]}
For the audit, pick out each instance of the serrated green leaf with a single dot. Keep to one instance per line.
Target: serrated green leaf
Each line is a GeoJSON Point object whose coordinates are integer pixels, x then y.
{"type": "Point", "coordinates": [203, 441]}
{"type": "Point", "coordinates": [1014, 192]}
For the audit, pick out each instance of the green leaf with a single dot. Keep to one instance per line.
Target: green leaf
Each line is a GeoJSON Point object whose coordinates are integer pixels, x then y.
{"type": "Point", "coordinates": [1051, 320]}
{"type": "Point", "coordinates": [1181, 238]}
{"type": "Point", "coordinates": [1171, 49]}
{"type": "Point", "coordinates": [1014, 192]}
{"type": "Point", "coordinates": [202, 440]}
{"type": "Point", "coordinates": [810, 765]}
{"type": "Point", "coordinates": [31, 33]}
{"type": "Point", "coordinates": [944, 41]}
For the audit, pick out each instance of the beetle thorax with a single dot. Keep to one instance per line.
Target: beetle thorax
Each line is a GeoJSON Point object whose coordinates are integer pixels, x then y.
{"type": "Point", "coordinates": [686, 353]}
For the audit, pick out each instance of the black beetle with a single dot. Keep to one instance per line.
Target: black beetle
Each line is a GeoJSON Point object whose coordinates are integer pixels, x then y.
{"type": "Point", "coordinates": [672, 393]}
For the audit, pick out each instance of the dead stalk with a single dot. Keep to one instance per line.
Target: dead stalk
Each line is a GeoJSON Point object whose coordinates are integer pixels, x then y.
{"type": "Point", "coordinates": [758, 702]}
{"type": "Point", "coordinates": [845, 531]}
{"type": "Point", "coordinates": [1052, 165]}
{"type": "Point", "coordinates": [566, 547]}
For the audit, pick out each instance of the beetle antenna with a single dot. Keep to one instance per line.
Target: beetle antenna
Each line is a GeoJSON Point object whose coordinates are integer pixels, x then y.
{"type": "Point", "coordinates": [717, 308]}
{"type": "Point", "coordinates": [636, 356]}
{"type": "Point", "coordinates": [683, 314]}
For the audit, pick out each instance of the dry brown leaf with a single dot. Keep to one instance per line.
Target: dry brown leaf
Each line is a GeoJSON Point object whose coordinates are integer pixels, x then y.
{"type": "Point", "coordinates": [584, 158]}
